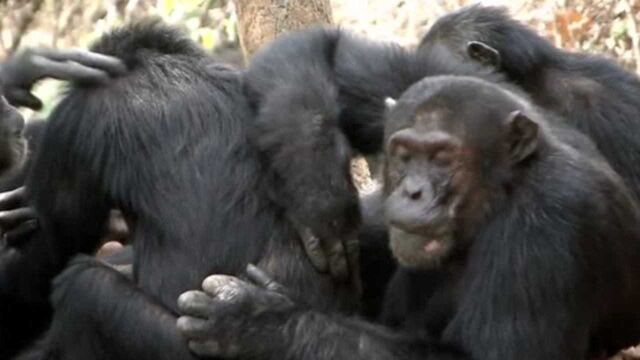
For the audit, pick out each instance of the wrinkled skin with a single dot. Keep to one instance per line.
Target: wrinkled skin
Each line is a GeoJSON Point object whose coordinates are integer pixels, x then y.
{"type": "Point", "coordinates": [217, 320]}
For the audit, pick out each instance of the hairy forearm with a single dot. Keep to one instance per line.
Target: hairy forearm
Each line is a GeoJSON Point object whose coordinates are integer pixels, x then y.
{"type": "Point", "coordinates": [105, 293]}
{"type": "Point", "coordinates": [25, 277]}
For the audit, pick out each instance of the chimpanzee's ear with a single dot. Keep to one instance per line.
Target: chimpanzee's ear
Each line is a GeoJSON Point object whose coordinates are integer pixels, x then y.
{"type": "Point", "coordinates": [390, 103]}
{"type": "Point", "coordinates": [522, 136]}
{"type": "Point", "coordinates": [484, 54]}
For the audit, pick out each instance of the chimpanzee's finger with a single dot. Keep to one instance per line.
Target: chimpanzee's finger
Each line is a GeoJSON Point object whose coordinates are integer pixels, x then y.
{"type": "Point", "coordinates": [112, 65]}
{"type": "Point", "coordinates": [338, 264]}
{"type": "Point", "coordinates": [13, 198]}
{"type": "Point", "coordinates": [313, 248]}
{"type": "Point", "coordinates": [12, 218]}
{"type": "Point", "coordinates": [262, 279]}
{"type": "Point", "coordinates": [194, 327]}
{"type": "Point", "coordinates": [226, 288]}
{"type": "Point", "coordinates": [69, 71]}
{"type": "Point", "coordinates": [21, 233]}
{"type": "Point", "coordinates": [195, 303]}
{"type": "Point", "coordinates": [206, 348]}
{"type": "Point", "coordinates": [19, 97]}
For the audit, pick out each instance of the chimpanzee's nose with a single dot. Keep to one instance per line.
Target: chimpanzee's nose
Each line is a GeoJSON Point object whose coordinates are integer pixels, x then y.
{"type": "Point", "coordinates": [415, 194]}
{"type": "Point", "coordinates": [413, 188]}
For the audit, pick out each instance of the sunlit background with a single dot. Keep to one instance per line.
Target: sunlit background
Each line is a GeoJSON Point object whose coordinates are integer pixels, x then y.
{"type": "Point", "coordinates": [606, 26]}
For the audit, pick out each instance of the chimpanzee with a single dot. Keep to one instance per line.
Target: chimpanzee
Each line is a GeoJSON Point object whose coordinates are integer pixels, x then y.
{"type": "Point", "coordinates": [592, 93]}
{"type": "Point", "coordinates": [25, 265]}
{"type": "Point", "coordinates": [526, 224]}
{"type": "Point", "coordinates": [138, 144]}
{"type": "Point", "coordinates": [21, 71]}
{"type": "Point", "coordinates": [332, 85]}
{"type": "Point", "coordinates": [168, 144]}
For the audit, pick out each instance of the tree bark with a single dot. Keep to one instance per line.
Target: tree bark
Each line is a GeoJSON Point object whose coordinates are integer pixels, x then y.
{"type": "Point", "coordinates": [259, 21]}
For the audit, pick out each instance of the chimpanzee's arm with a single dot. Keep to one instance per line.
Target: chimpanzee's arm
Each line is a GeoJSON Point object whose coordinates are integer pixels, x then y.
{"type": "Point", "coordinates": [25, 275]}
{"type": "Point", "coordinates": [18, 220]}
{"type": "Point", "coordinates": [26, 269]}
{"type": "Point", "coordinates": [21, 71]}
{"type": "Point", "coordinates": [320, 97]}
{"type": "Point", "coordinates": [356, 74]}
{"type": "Point", "coordinates": [108, 309]}
{"type": "Point", "coordinates": [306, 134]}
{"type": "Point", "coordinates": [237, 319]}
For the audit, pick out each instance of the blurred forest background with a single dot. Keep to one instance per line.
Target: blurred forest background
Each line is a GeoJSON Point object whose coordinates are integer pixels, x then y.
{"type": "Point", "coordinates": [603, 26]}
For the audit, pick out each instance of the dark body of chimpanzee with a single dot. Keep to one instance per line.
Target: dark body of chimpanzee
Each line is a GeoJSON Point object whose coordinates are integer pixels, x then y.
{"type": "Point", "coordinates": [540, 240]}
{"type": "Point", "coordinates": [23, 288]}
{"type": "Point", "coordinates": [597, 97]}
{"type": "Point", "coordinates": [27, 264]}
{"type": "Point", "coordinates": [173, 143]}
{"type": "Point", "coordinates": [167, 144]}
{"type": "Point", "coordinates": [511, 232]}
{"type": "Point", "coordinates": [590, 92]}
{"type": "Point", "coordinates": [212, 177]}
{"type": "Point", "coordinates": [333, 85]}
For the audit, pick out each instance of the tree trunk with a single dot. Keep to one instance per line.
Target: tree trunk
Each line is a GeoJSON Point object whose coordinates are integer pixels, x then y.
{"type": "Point", "coordinates": [259, 21]}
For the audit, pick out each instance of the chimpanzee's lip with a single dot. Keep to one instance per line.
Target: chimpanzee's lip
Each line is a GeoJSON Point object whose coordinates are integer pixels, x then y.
{"type": "Point", "coordinates": [426, 231]}
{"type": "Point", "coordinates": [437, 244]}
{"type": "Point", "coordinates": [418, 250]}
{"type": "Point", "coordinates": [443, 234]}
{"type": "Point", "coordinates": [434, 245]}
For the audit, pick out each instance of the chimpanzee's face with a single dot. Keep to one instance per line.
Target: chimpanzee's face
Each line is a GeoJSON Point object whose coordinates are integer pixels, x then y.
{"type": "Point", "coordinates": [421, 205]}
{"type": "Point", "coordinates": [448, 149]}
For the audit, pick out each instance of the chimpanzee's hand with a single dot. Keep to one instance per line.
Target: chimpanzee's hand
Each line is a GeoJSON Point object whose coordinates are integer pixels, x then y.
{"type": "Point", "coordinates": [24, 69]}
{"type": "Point", "coordinates": [336, 254]}
{"type": "Point", "coordinates": [17, 219]}
{"type": "Point", "coordinates": [233, 318]}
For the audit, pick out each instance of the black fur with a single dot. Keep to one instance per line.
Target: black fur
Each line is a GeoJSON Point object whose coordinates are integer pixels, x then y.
{"type": "Point", "coordinates": [167, 144]}
{"type": "Point", "coordinates": [560, 237]}
{"type": "Point", "coordinates": [320, 96]}
{"type": "Point", "coordinates": [592, 93]}
{"type": "Point", "coordinates": [376, 262]}
{"type": "Point", "coordinates": [555, 235]}
{"type": "Point", "coordinates": [25, 270]}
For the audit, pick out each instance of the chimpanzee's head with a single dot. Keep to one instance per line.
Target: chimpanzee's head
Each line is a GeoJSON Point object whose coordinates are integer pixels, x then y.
{"type": "Point", "coordinates": [452, 145]}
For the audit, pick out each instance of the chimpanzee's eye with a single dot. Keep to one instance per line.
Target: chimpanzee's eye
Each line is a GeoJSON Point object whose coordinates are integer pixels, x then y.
{"type": "Point", "coordinates": [403, 154]}
{"type": "Point", "coordinates": [443, 157]}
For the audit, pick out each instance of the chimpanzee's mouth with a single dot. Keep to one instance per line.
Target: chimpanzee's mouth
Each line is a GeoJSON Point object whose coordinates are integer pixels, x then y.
{"type": "Point", "coordinates": [433, 245]}
{"type": "Point", "coordinates": [420, 249]}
